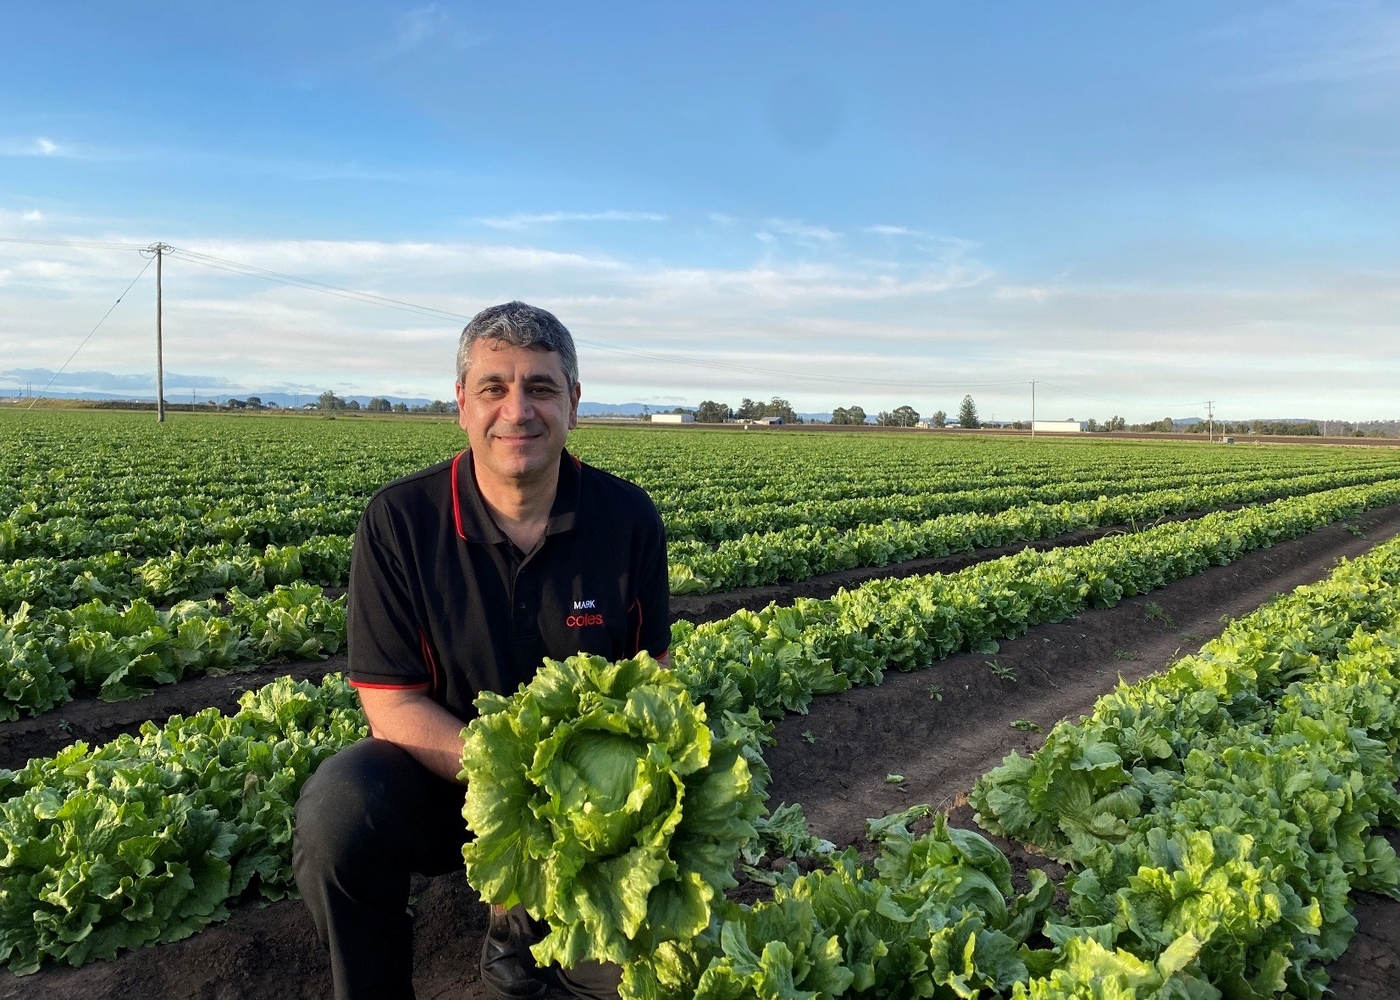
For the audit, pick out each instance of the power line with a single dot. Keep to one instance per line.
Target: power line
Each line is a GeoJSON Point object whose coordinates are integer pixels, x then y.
{"type": "Point", "coordinates": [89, 336]}
{"type": "Point", "coordinates": [88, 244]}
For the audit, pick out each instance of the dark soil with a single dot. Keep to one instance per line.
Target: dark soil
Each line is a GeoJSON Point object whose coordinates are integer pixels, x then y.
{"type": "Point", "coordinates": [834, 761]}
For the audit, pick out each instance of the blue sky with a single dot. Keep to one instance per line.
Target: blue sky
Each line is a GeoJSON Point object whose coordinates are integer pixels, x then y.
{"type": "Point", "coordinates": [1141, 207]}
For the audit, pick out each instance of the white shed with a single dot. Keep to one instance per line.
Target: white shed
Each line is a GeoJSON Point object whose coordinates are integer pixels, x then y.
{"type": "Point", "coordinates": [1058, 426]}
{"type": "Point", "coordinates": [673, 418]}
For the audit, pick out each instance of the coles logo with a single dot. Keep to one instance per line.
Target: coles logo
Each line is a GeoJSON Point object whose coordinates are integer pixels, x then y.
{"type": "Point", "coordinates": [583, 621]}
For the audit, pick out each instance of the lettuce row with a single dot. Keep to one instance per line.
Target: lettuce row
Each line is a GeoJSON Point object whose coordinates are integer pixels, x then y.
{"type": "Point", "coordinates": [938, 917]}
{"type": "Point", "coordinates": [147, 838]}
{"type": "Point", "coordinates": [806, 550]}
{"type": "Point", "coordinates": [704, 514]}
{"type": "Point", "coordinates": [121, 652]}
{"type": "Point", "coordinates": [196, 574]}
{"type": "Point", "coordinates": [1236, 796]}
{"type": "Point", "coordinates": [777, 659]}
{"type": "Point", "coordinates": [773, 662]}
{"type": "Point", "coordinates": [26, 533]}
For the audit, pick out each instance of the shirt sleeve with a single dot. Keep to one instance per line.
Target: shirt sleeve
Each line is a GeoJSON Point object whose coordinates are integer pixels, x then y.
{"type": "Point", "coordinates": [653, 589]}
{"type": "Point", "coordinates": [383, 638]}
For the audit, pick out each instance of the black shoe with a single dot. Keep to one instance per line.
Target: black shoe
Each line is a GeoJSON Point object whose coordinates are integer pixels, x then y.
{"type": "Point", "coordinates": [507, 967]}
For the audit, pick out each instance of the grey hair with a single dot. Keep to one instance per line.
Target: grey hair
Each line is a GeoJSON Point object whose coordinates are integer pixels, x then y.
{"type": "Point", "coordinates": [520, 325]}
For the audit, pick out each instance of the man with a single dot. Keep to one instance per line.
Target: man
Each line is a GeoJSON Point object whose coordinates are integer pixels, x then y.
{"type": "Point", "coordinates": [464, 577]}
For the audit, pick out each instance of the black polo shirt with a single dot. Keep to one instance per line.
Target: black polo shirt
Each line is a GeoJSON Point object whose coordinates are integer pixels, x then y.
{"type": "Point", "coordinates": [441, 599]}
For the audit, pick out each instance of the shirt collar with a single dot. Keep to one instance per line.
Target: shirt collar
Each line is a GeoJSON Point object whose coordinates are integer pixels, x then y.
{"type": "Point", "coordinates": [474, 521]}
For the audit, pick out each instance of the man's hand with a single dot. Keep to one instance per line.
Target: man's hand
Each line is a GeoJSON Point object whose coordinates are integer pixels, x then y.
{"type": "Point", "coordinates": [431, 733]}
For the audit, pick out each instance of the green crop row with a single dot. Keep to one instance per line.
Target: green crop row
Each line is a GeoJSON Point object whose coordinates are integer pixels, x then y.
{"type": "Point", "coordinates": [1235, 798]}
{"type": "Point", "coordinates": [777, 658]}
{"type": "Point", "coordinates": [74, 537]}
{"type": "Point", "coordinates": [83, 484]}
{"type": "Point", "coordinates": [1216, 818]}
{"type": "Point", "coordinates": [773, 662]}
{"type": "Point", "coordinates": [122, 651]}
{"type": "Point", "coordinates": [73, 532]}
{"type": "Point", "coordinates": [714, 524]}
{"type": "Point", "coordinates": [196, 574]}
{"type": "Point", "coordinates": [147, 838]}
{"type": "Point", "coordinates": [800, 553]}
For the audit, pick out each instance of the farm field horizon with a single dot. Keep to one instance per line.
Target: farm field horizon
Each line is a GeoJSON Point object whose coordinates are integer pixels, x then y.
{"type": "Point", "coordinates": [877, 606]}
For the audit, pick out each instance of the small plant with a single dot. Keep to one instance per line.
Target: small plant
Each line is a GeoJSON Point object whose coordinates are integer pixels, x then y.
{"type": "Point", "coordinates": [1154, 613]}
{"type": "Point", "coordinates": [1355, 529]}
{"type": "Point", "coordinates": [807, 735]}
{"type": "Point", "coordinates": [894, 779]}
{"type": "Point", "coordinates": [1126, 654]}
{"type": "Point", "coordinates": [1001, 670]}
{"type": "Point", "coordinates": [935, 693]}
{"type": "Point", "coordinates": [1026, 726]}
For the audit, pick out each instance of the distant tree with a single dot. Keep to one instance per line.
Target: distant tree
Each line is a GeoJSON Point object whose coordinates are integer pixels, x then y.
{"type": "Point", "coordinates": [438, 406]}
{"type": "Point", "coordinates": [353, 404]}
{"type": "Point", "coordinates": [967, 413]}
{"type": "Point", "coordinates": [254, 403]}
{"type": "Point", "coordinates": [1091, 424]}
{"type": "Point", "coordinates": [400, 407]}
{"type": "Point", "coordinates": [711, 412]}
{"type": "Point", "coordinates": [235, 404]}
{"type": "Point", "coordinates": [330, 401]}
{"type": "Point", "coordinates": [900, 416]}
{"type": "Point", "coordinates": [848, 415]}
{"type": "Point", "coordinates": [779, 407]}
{"type": "Point", "coordinates": [749, 410]}
{"type": "Point", "coordinates": [378, 404]}
{"type": "Point", "coordinates": [1115, 423]}
{"type": "Point", "coordinates": [939, 419]}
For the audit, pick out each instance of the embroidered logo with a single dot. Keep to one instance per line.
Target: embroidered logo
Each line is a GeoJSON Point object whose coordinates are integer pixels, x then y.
{"type": "Point", "coordinates": [583, 621]}
{"type": "Point", "coordinates": [585, 605]}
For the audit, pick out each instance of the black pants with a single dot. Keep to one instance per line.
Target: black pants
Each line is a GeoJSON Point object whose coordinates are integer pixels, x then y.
{"type": "Point", "coordinates": [369, 817]}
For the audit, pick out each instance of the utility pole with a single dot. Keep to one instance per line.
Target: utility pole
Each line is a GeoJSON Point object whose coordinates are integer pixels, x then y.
{"type": "Point", "coordinates": [159, 250]}
{"type": "Point", "coordinates": [1210, 420]}
{"type": "Point", "coordinates": [1032, 409]}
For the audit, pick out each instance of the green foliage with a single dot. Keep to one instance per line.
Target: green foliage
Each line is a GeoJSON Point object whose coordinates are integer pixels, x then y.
{"type": "Point", "coordinates": [146, 839]}
{"type": "Point", "coordinates": [602, 802]}
{"type": "Point", "coordinates": [121, 651]}
{"type": "Point", "coordinates": [1234, 798]}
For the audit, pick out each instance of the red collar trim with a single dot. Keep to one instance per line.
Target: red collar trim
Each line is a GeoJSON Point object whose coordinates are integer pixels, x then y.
{"type": "Point", "coordinates": [456, 496]}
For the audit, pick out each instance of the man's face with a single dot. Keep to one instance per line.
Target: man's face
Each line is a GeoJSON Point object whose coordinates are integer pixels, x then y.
{"type": "Point", "coordinates": [517, 409]}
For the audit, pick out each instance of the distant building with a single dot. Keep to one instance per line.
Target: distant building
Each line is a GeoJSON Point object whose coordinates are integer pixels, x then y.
{"type": "Point", "coordinates": [673, 418]}
{"type": "Point", "coordinates": [769, 421]}
{"type": "Point", "coordinates": [1058, 426]}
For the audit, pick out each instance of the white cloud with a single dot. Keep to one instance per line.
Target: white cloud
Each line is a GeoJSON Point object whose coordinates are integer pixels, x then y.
{"type": "Point", "coordinates": [872, 328]}
{"type": "Point", "coordinates": [39, 146]}
{"type": "Point", "coordinates": [892, 231]}
{"type": "Point", "coordinates": [523, 220]}
{"type": "Point", "coordinates": [803, 231]}
{"type": "Point", "coordinates": [33, 215]}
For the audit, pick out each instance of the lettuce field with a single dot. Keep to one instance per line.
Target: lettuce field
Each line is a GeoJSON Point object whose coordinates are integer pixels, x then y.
{"type": "Point", "coordinates": [948, 716]}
